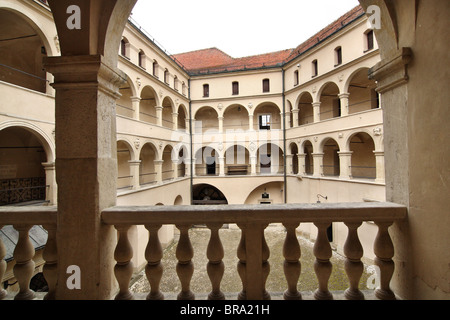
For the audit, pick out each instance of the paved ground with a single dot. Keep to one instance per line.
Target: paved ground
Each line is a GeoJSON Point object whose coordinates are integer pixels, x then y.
{"type": "Point", "coordinates": [231, 283]}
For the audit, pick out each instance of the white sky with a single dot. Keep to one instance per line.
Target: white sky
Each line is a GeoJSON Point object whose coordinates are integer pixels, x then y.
{"type": "Point", "coordinates": [237, 27]}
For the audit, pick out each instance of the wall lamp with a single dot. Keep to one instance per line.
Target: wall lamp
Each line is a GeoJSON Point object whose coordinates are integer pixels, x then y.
{"type": "Point", "coordinates": [319, 195]}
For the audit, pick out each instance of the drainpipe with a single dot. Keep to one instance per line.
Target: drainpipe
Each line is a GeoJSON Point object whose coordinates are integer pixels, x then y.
{"type": "Point", "coordinates": [190, 144]}
{"type": "Point", "coordinates": [284, 135]}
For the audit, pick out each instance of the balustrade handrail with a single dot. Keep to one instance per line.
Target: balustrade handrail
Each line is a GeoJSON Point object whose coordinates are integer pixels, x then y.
{"type": "Point", "coordinates": [28, 215]}
{"type": "Point", "coordinates": [314, 212]}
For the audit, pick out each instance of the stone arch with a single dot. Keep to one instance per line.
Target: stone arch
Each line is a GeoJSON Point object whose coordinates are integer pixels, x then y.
{"type": "Point", "coordinates": [147, 106]}
{"type": "Point", "coordinates": [304, 105]}
{"type": "Point", "coordinates": [235, 117]}
{"type": "Point", "coordinates": [271, 108]}
{"type": "Point", "coordinates": [362, 91]}
{"type": "Point", "coordinates": [124, 105]}
{"type": "Point", "coordinates": [147, 170]}
{"type": "Point", "coordinates": [206, 118]}
{"type": "Point", "coordinates": [330, 104]}
{"type": "Point", "coordinates": [204, 194]}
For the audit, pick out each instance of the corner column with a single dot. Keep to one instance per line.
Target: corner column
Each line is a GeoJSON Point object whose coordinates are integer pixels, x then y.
{"type": "Point", "coordinates": [86, 172]}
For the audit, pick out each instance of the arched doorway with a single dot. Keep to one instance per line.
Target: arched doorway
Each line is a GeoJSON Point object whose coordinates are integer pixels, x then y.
{"type": "Point", "coordinates": [206, 194]}
{"type": "Point", "coordinates": [22, 174]}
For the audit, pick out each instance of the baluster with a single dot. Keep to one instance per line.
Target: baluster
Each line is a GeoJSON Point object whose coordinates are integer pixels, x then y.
{"type": "Point", "coordinates": [241, 265]}
{"type": "Point", "coordinates": [354, 268]}
{"type": "Point", "coordinates": [384, 251]}
{"type": "Point", "coordinates": [154, 268]}
{"type": "Point", "coordinates": [50, 256]}
{"type": "Point", "coordinates": [292, 265]}
{"type": "Point", "coordinates": [185, 268]}
{"type": "Point", "coordinates": [24, 267]}
{"type": "Point", "coordinates": [123, 269]}
{"type": "Point", "coordinates": [265, 264]}
{"type": "Point", "coordinates": [322, 265]}
{"type": "Point", "coordinates": [215, 266]}
{"type": "Point", "coordinates": [2, 266]}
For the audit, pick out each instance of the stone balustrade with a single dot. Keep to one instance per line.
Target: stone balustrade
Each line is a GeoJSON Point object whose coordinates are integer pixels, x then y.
{"type": "Point", "coordinates": [253, 253]}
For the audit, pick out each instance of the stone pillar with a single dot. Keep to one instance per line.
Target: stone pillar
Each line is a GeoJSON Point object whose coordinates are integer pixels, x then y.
{"type": "Point", "coordinates": [135, 103]}
{"type": "Point", "coordinates": [250, 122]}
{"type": "Point", "coordinates": [379, 160]}
{"type": "Point", "coordinates": [253, 165]}
{"type": "Point", "coordinates": [220, 124]}
{"type": "Point", "coordinates": [86, 171]}
{"type": "Point", "coordinates": [175, 121]}
{"type": "Point", "coordinates": [344, 103]}
{"type": "Point", "coordinates": [175, 168]}
{"type": "Point", "coordinates": [287, 117]}
{"type": "Point", "coordinates": [134, 172]}
{"type": "Point", "coordinates": [289, 164]}
{"type": "Point", "coordinates": [345, 161]}
{"type": "Point", "coordinates": [316, 111]}
{"type": "Point", "coordinates": [295, 117]}
{"type": "Point", "coordinates": [318, 162]}
{"type": "Point", "coordinates": [159, 115]}
{"type": "Point", "coordinates": [50, 181]}
{"type": "Point", "coordinates": [188, 124]}
{"type": "Point", "coordinates": [301, 163]}
{"type": "Point", "coordinates": [158, 170]}
{"type": "Point", "coordinates": [221, 166]}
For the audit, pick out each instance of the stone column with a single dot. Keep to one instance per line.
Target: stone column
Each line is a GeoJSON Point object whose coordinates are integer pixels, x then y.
{"type": "Point", "coordinates": [50, 181]}
{"type": "Point", "coordinates": [158, 170]}
{"type": "Point", "coordinates": [289, 164]}
{"type": "Point", "coordinates": [221, 166]}
{"type": "Point", "coordinates": [301, 163]}
{"type": "Point", "coordinates": [175, 120]}
{"type": "Point", "coordinates": [253, 165]}
{"type": "Point", "coordinates": [175, 168]}
{"type": "Point", "coordinates": [379, 160]}
{"type": "Point", "coordinates": [220, 124]}
{"type": "Point", "coordinates": [316, 111]}
{"type": "Point", "coordinates": [86, 171]}
{"type": "Point", "coordinates": [188, 124]}
{"type": "Point", "coordinates": [134, 172]}
{"type": "Point", "coordinates": [159, 115]}
{"type": "Point", "coordinates": [250, 122]}
{"type": "Point", "coordinates": [344, 103]}
{"type": "Point", "coordinates": [295, 117]}
{"type": "Point", "coordinates": [345, 161]}
{"type": "Point", "coordinates": [135, 103]}
{"type": "Point", "coordinates": [318, 162]}
{"type": "Point", "coordinates": [287, 117]}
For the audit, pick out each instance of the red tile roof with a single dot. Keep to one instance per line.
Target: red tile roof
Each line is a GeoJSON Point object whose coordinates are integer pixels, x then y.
{"type": "Point", "coordinates": [213, 60]}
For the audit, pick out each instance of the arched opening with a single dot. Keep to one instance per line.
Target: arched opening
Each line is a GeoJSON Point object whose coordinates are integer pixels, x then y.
{"type": "Point", "coordinates": [270, 159]}
{"type": "Point", "coordinates": [124, 178]}
{"type": "Point", "coordinates": [305, 109]}
{"type": "Point", "coordinates": [309, 163]}
{"type": "Point", "coordinates": [167, 165]}
{"type": "Point", "coordinates": [167, 120]}
{"type": "Point", "coordinates": [331, 163]}
{"type": "Point", "coordinates": [294, 162]}
{"type": "Point", "coordinates": [330, 106]}
{"type": "Point", "coordinates": [147, 171]}
{"type": "Point", "coordinates": [267, 193]}
{"type": "Point", "coordinates": [147, 107]}
{"type": "Point", "coordinates": [267, 117]}
{"type": "Point", "coordinates": [235, 118]}
{"type": "Point", "coordinates": [178, 201]}
{"type": "Point", "coordinates": [237, 160]}
{"type": "Point", "coordinates": [362, 93]}
{"type": "Point", "coordinates": [290, 123]}
{"type": "Point", "coordinates": [124, 105]}
{"type": "Point", "coordinates": [182, 116]}
{"type": "Point", "coordinates": [206, 119]}
{"type": "Point", "coordinates": [22, 50]}
{"type": "Point", "coordinates": [206, 162]}
{"type": "Point", "coordinates": [182, 156]}
{"type": "Point", "coordinates": [206, 194]}
{"type": "Point", "coordinates": [363, 158]}
{"type": "Point", "coordinates": [22, 175]}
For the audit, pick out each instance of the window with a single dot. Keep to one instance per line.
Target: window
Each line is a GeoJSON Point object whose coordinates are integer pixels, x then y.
{"type": "Point", "coordinates": [369, 40]}
{"type": "Point", "coordinates": [141, 59]}
{"type": "Point", "coordinates": [264, 122]}
{"type": "Point", "coordinates": [235, 88]}
{"type": "Point", "coordinates": [125, 48]}
{"type": "Point", "coordinates": [175, 82]}
{"type": "Point", "coordinates": [205, 90]}
{"type": "Point", "coordinates": [337, 56]}
{"type": "Point", "coordinates": [315, 68]}
{"type": "Point", "coordinates": [166, 76]}
{"type": "Point", "coordinates": [155, 68]}
{"type": "Point", "coordinates": [266, 85]}
{"type": "Point", "coordinates": [296, 79]}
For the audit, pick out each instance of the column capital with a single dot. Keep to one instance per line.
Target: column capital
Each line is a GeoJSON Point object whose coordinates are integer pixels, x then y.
{"type": "Point", "coordinates": [344, 95]}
